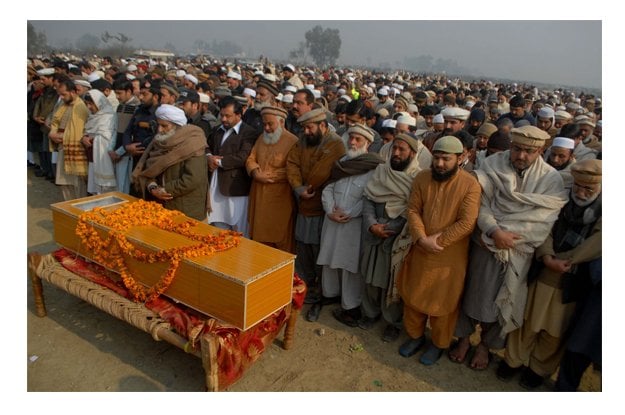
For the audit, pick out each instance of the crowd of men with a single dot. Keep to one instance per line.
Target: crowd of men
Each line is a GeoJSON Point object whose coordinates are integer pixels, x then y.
{"type": "Point", "coordinates": [419, 200]}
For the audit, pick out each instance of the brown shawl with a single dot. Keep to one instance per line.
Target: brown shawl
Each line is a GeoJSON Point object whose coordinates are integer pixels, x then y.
{"type": "Point", "coordinates": [352, 167]}
{"type": "Point", "coordinates": [188, 141]}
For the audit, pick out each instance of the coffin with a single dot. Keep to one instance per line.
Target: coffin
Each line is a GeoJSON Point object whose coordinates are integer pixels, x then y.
{"type": "Point", "coordinates": [240, 286]}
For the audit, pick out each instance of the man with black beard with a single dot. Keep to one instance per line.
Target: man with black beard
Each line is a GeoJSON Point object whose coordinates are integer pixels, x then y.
{"type": "Point", "coordinates": [560, 157]}
{"type": "Point", "coordinates": [442, 213]}
{"type": "Point", "coordinates": [384, 218]}
{"type": "Point", "coordinates": [454, 121]}
{"type": "Point", "coordinates": [308, 169]}
{"type": "Point", "coordinates": [475, 121]}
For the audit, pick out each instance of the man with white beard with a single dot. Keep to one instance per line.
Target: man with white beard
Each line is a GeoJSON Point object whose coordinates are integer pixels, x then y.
{"type": "Point", "coordinates": [271, 210]}
{"type": "Point", "coordinates": [342, 200]}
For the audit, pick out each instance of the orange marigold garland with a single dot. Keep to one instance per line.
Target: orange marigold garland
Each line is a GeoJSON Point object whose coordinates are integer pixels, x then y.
{"type": "Point", "coordinates": [110, 251]}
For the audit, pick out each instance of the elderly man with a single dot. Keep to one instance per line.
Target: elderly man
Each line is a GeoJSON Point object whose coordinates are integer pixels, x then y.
{"type": "Point", "coordinates": [563, 279]}
{"type": "Point", "coordinates": [384, 218]}
{"type": "Point", "coordinates": [308, 169]}
{"type": "Point", "coordinates": [561, 118]}
{"type": "Point", "coordinates": [521, 198]}
{"type": "Point", "coordinates": [271, 210]}
{"type": "Point", "coordinates": [229, 147]}
{"type": "Point", "coordinates": [342, 200]}
{"type": "Point", "coordinates": [172, 170]}
{"type": "Point", "coordinates": [66, 132]}
{"type": "Point", "coordinates": [587, 127]}
{"type": "Point", "coordinates": [431, 278]}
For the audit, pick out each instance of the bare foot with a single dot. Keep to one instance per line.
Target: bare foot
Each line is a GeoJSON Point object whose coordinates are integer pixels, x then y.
{"type": "Point", "coordinates": [459, 352]}
{"type": "Point", "coordinates": [481, 358]}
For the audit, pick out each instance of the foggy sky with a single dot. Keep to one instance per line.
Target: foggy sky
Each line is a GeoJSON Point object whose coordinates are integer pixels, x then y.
{"type": "Point", "coordinates": [561, 52]}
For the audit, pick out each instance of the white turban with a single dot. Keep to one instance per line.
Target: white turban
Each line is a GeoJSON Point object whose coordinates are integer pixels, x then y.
{"type": "Point", "coordinates": [191, 78]}
{"type": "Point", "coordinates": [172, 114]}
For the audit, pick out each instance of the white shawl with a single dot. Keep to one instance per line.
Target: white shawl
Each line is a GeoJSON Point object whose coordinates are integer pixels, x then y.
{"type": "Point", "coordinates": [102, 126]}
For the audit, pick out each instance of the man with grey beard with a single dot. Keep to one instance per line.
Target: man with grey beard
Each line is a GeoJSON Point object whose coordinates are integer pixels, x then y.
{"type": "Point", "coordinates": [271, 210]}
{"type": "Point", "coordinates": [342, 200]}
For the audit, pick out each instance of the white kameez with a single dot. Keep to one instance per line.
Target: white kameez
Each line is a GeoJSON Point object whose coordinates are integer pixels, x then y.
{"type": "Point", "coordinates": [231, 210]}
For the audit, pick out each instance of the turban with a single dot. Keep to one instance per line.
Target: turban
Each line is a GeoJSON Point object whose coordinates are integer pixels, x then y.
{"type": "Point", "coordinates": [172, 114]}
{"type": "Point", "coordinates": [448, 144]}
{"type": "Point", "coordinates": [586, 171]}
{"type": "Point", "coordinates": [362, 130]}
{"type": "Point", "coordinates": [477, 114]}
{"type": "Point", "coordinates": [529, 136]}
{"type": "Point", "coordinates": [288, 67]}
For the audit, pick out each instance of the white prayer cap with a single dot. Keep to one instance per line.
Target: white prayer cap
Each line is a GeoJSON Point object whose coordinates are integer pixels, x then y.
{"type": "Point", "coordinates": [383, 91]}
{"type": "Point", "coordinates": [279, 97]}
{"type": "Point", "coordinates": [204, 99]}
{"type": "Point", "coordinates": [250, 92]}
{"type": "Point", "coordinates": [287, 99]}
{"type": "Point", "coordinates": [309, 86]}
{"type": "Point", "coordinates": [346, 98]}
{"type": "Point", "coordinates": [407, 119]}
{"type": "Point", "coordinates": [191, 78]}
{"type": "Point", "coordinates": [316, 93]}
{"type": "Point", "coordinates": [438, 119]}
{"type": "Point", "coordinates": [131, 68]}
{"type": "Point", "coordinates": [259, 73]}
{"type": "Point", "coordinates": [93, 76]}
{"type": "Point", "coordinates": [130, 76]}
{"type": "Point", "coordinates": [234, 75]}
{"type": "Point", "coordinates": [371, 85]}
{"type": "Point", "coordinates": [456, 113]}
{"type": "Point", "coordinates": [180, 73]}
{"type": "Point", "coordinates": [82, 82]}
{"type": "Point", "coordinates": [546, 112]}
{"type": "Point", "coordinates": [45, 72]}
{"type": "Point", "coordinates": [413, 108]}
{"type": "Point", "coordinates": [171, 113]}
{"type": "Point", "coordinates": [563, 142]}
{"type": "Point", "coordinates": [397, 91]}
{"type": "Point", "coordinates": [340, 92]}
{"type": "Point", "coordinates": [400, 87]}
{"type": "Point", "coordinates": [290, 67]}
{"type": "Point", "coordinates": [290, 88]}
{"type": "Point", "coordinates": [389, 123]}
{"type": "Point", "coordinates": [469, 104]}
{"type": "Point", "coordinates": [270, 77]}
{"type": "Point", "coordinates": [71, 65]}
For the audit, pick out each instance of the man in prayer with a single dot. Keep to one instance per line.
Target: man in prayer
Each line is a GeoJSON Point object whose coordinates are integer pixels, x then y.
{"type": "Point", "coordinates": [289, 75]}
{"type": "Point", "coordinates": [385, 240]}
{"type": "Point", "coordinates": [66, 131]}
{"type": "Point", "coordinates": [455, 119]}
{"type": "Point", "coordinates": [342, 201]}
{"type": "Point", "coordinates": [431, 278]}
{"type": "Point", "coordinates": [271, 209]}
{"type": "Point", "coordinates": [308, 169]}
{"type": "Point", "coordinates": [561, 158]}
{"type": "Point", "coordinates": [521, 198]}
{"type": "Point", "coordinates": [562, 280]}
{"type": "Point", "coordinates": [229, 147]}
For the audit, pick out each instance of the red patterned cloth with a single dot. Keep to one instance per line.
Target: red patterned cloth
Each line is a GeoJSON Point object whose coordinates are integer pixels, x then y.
{"type": "Point", "coordinates": [238, 349]}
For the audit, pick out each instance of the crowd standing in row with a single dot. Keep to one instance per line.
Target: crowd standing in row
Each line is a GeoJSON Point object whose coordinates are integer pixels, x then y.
{"type": "Point", "coordinates": [418, 200]}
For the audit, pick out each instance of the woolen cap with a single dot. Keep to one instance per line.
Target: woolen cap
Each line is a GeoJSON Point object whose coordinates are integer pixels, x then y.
{"type": "Point", "coordinates": [316, 115]}
{"type": "Point", "coordinates": [448, 144]}
{"type": "Point", "coordinates": [411, 141]}
{"type": "Point", "coordinates": [529, 135]}
{"type": "Point", "coordinates": [362, 130]}
{"type": "Point", "coordinates": [586, 171]}
{"type": "Point", "coordinates": [277, 111]}
{"type": "Point", "coordinates": [268, 86]}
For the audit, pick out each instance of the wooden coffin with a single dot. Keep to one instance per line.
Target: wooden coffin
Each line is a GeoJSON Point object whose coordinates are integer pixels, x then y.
{"type": "Point", "coordinates": [240, 286]}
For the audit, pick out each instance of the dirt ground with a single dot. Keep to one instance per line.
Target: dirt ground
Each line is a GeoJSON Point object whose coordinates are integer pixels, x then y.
{"type": "Point", "coordinates": [80, 348]}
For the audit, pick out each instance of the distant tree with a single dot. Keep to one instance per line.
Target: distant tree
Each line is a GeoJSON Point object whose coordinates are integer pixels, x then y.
{"type": "Point", "coordinates": [324, 46]}
{"type": "Point", "coordinates": [87, 42]}
{"type": "Point", "coordinates": [36, 42]}
{"type": "Point", "coordinates": [299, 55]}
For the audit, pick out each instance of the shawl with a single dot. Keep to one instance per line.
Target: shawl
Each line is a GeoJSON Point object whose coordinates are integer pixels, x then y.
{"type": "Point", "coordinates": [351, 167]}
{"type": "Point", "coordinates": [71, 118]}
{"type": "Point", "coordinates": [392, 187]}
{"type": "Point", "coordinates": [529, 208]}
{"type": "Point", "coordinates": [188, 141]}
{"type": "Point", "coordinates": [102, 126]}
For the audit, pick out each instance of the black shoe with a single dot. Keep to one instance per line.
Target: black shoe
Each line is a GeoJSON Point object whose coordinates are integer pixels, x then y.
{"type": "Point", "coordinates": [312, 297]}
{"type": "Point", "coordinates": [505, 372]}
{"type": "Point", "coordinates": [530, 380]}
{"type": "Point", "coordinates": [411, 346]}
{"type": "Point", "coordinates": [330, 300]}
{"type": "Point", "coordinates": [313, 312]}
{"type": "Point", "coordinates": [366, 323]}
{"type": "Point", "coordinates": [348, 317]}
{"type": "Point", "coordinates": [391, 333]}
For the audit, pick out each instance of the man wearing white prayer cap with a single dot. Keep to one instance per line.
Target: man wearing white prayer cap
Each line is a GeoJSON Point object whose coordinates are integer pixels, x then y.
{"type": "Point", "coordinates": [587, 127]}
{"type": "Point", "coordinates": [545, 120]}
{"type": "Point", "coordinates": [235, 83]}
{"type": "Point", "coordinates": [252, 116]}
{"type": "Point", "coordinates": [289, 75]}
{"type": "Point", "coordinates": [561, 158]}
{"type": "Point", "coordinates": [177, 148]}
{"type": "Point", "coordinates": [190, 81]}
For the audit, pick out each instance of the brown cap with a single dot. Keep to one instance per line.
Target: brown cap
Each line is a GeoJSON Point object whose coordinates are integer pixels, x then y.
{"type": "Point", "coordinates": [316, 115]}
{"type": "Point", "coordinates": [487, 129]}
{"type": "Point", "coordinates": [412, 142]}
{"type": "Point", "coordinates": [277, 111]}
{"type": "Point", "coordinates": [529, 135]}
{"type": "Point", "coordinates": [586, 171]}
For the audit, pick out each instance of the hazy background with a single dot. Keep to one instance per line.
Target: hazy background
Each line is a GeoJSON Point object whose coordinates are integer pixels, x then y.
{"type": "Point", "coordinates": [549, 51]}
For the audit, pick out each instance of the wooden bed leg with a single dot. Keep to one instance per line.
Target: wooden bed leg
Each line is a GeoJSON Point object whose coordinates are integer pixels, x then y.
{"type": "Point", "coordinates": [210, 345]}
{"type": "Point", "coordinates": [34, 259]}
{"type": "Point", "coordinates": [289, 330]}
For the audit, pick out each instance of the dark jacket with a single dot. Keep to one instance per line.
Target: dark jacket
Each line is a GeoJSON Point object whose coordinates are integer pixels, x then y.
{"type": "Point", "coordinates": [233, 179]}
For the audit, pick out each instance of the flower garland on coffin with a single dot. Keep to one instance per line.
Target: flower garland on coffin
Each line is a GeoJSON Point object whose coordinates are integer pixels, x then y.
{"type": "Point", "coordinates": [111, 251]}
